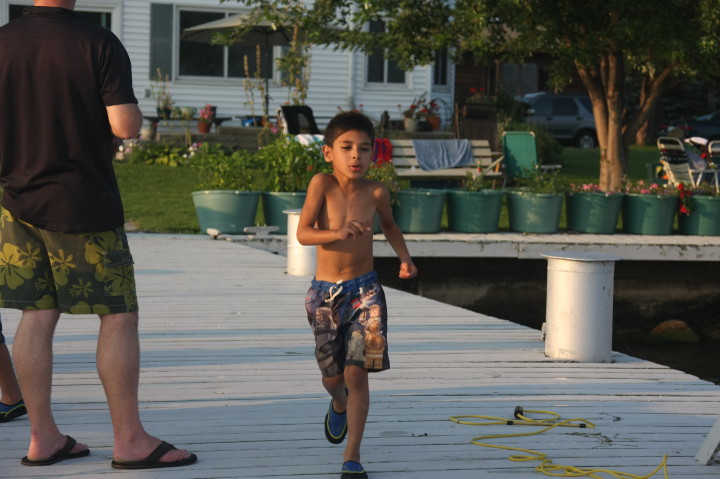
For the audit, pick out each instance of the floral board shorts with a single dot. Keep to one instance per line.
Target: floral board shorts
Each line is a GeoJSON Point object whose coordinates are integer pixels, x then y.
{"type": "Point", "coordinates": [76, 273]}
{"type": "Point", "coordinates": [349, 320]}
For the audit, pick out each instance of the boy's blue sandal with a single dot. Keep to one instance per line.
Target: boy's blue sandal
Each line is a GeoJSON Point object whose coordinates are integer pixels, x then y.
{"type": "Point", "coordinates": [353, 470]}
{"type": "Point", "coordinates": [8, 412]}
{"type": "Point", "coordinates": [335, 425]}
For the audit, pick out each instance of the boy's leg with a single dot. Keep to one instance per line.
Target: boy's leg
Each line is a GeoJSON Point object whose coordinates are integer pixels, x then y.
{"type": "Point", "coordinates": [8, 382]}
{"type": "Point", "coordinates": [118, 364]}
{"type": "Point", "coordinates": [32, 350]}
{"type": "Point", "coordinates": [358, 405]}
{"type": "Point", "coordinates": [335, 386]}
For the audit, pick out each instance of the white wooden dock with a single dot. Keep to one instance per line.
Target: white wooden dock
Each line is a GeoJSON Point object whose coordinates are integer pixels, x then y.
{"type": "Point", "coordinates": [228, 372]}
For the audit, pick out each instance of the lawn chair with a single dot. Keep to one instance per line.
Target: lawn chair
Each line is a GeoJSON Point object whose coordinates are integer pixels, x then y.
{"type": "Point", "coordinates": [297, 119]}
{"type": "Point", "coordinates": [675, 162]}
{"type": "Point", "coordinates": [713, 149]}
{"type": "Point", "coordinates": [520, 154]}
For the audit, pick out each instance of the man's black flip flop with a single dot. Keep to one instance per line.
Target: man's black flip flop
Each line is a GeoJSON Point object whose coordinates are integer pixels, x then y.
{"type": "Point", "coordinates": [153, 460]}
{"type": "Point", "coordinates": [61, 455]}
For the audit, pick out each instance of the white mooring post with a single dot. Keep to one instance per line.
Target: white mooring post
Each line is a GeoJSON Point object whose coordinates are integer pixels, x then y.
{"type": "Point", "coordinates": [578, 319]}
{"type": "Point", "coordinates": [300, 258]}
{"type": "Point", "coordinates": [710, 446]}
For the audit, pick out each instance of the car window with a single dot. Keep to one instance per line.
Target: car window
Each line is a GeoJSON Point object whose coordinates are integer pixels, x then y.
{"type": "Point", "coordinates": [543, 107]}
{"type": "Point", "coordinates": [565, 107]}
{"type": "Point", "coordinates": [587, 104]}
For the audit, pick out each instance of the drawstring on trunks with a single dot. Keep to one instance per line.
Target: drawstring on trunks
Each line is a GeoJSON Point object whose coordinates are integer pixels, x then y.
{"type": "Point", "coordinates": [334, 292]}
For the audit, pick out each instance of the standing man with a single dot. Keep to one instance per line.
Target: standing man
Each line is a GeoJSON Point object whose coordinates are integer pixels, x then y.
{"type": "Point", "coordinates": [65, 92]}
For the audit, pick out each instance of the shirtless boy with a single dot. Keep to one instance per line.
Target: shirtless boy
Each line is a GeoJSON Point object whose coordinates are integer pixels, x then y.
{"type": "Point", "coordinates": [337, 217]}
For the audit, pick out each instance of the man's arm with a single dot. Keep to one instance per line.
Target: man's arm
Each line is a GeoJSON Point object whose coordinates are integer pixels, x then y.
{"type": "Point", "coordinates": [125, 120]}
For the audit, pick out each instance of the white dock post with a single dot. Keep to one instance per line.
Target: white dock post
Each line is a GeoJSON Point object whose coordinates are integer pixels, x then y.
{"type": "Point", "coordinates": [578, 320]}
{"type": "Point", "coordinates": [300, 258]}
{"type": "Point", "coordinates": [710, 446]}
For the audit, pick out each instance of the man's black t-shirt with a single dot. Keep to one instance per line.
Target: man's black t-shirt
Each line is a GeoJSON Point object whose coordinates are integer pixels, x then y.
{"type": "Point", "coordinates": [57, 75]}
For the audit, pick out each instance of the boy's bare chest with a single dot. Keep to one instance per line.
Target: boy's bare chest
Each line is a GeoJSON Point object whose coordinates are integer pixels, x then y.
{"type": "Point", "coordinates": [342, 207]}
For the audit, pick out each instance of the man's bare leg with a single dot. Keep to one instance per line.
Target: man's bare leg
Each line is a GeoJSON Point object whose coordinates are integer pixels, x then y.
{"type": "Point", "coordinates": [118, 363]}
{"type": "Point", "coordinates": [8, 382]}
{"type": "Point", "coordinates": [32, 350]}
{"type": "Point", "coordinates": [358, 405]}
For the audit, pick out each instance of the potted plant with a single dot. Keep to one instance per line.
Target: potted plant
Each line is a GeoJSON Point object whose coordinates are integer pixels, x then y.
{"type": "Point", "coordinates": [432, 108]}
{"type": "Point", "coordinates": [590, 210]}
{"type": "Point", "coordinates": [649, 208]}
{"type": "Point", "coordinates": [536, 206]}
{"type": "Point", "coordinates": [699, 210]}
{"type": "Point", "coordinates": [385, 173]}
{"type": "Point", "coordinates": [287, 167]}
{"type": "Point", "coordinates": [413, 113]}
{"type": "Point", "coordinates": [206, 117]}
{"type": "Point", "coordinates": [419, 210]}
{"type": "Point", "coordinates": [476, 207]}
{"type": "Point", "coordinates": [226, 199]}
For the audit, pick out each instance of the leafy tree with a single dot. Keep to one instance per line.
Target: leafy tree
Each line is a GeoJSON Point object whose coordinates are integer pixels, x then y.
{"type": "Point", "coordinates": [604, 42]}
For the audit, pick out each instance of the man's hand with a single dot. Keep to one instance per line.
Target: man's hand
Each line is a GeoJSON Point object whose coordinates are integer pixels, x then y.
{"type": "Point", "coordinates": [353, 229]}
{"type": "Point", "coordinates": [407, 270]}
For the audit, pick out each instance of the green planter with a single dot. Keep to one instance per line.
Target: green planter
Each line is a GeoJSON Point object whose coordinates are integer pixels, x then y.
{"type": "Point", "coordinates": [704, 217]}
{"type": "Point", "coordinates": [227, 211]}
{"type": "Point", "coordinates": [593, 212]}
{"type": "Point", "coordinates": [534, 212]}
{"type": "Point", "coordinates": [274, 202]}
{"type": "Point", "coordinates": [474, 211]}
{"type": "Point", "coordinates": [419, 211]}
{"type": "Point", "coordinates": [648, 214]}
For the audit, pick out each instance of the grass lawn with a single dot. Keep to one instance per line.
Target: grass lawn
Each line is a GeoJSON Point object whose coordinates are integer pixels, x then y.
{"type": "Point", "coordinates": [158, 198]}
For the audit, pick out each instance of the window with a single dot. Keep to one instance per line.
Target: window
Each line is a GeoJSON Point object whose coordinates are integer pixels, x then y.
{"type": "Point", "coordinates": [206, 60]}
{"type": "Point", "coordinates": [440, 68]}
{"type": "Point", "coordinates": [565, 107]}
{"type": "Point", "coordinates": [380, 69]}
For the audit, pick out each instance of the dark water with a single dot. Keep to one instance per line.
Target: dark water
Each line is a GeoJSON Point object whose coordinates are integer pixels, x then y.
{"type": "Point", "coordinates": [701, 360]}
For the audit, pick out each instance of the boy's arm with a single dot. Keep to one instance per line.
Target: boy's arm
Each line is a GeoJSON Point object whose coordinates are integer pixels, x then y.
{"type": "Point", "coordinates": [394, 236]}
{"type": "Point", "coordinates": [307, 234]}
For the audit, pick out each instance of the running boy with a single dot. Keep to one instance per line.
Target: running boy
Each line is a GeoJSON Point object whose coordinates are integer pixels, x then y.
{"type": "Point", "coordinates": [346, 303]}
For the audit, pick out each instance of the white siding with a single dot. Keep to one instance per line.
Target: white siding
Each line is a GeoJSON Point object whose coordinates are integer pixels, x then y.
{"type": "Point", "coordinates": [337, 77]}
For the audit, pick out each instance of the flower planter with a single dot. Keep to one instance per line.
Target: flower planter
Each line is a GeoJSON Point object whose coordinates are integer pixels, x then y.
{"type": "Point", "coordinates": [593, 212]}
{"type": "Point", "coordinates": [227, 211]}
{"type": "Point", "coordinates": [274, 202]}
{"type": "Point", "coordinates": [478, 110]}
{"type": "Point", "coordinates": [419, 211]}
{"type": "Point", "coordinates": [648, 214]}
{"type": "Point", "coordinates": [203, 127]}
{"type": "Point", "coordinates": [534, 212]}
{"type": "Point", "coordinates": [704, 217]}
{"type": "Point", "coordinates": [474, 211]}
{"type": "Point", "coordinates": [434, 122]}
{"type": "Point", "coordinates": [410, 124]}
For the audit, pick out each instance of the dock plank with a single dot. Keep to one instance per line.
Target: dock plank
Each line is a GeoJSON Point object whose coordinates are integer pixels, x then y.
{"type": "Point", "coordinates": [228, 371]}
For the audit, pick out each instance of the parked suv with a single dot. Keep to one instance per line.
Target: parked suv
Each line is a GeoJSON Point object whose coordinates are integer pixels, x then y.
{"type": "Point", "coordinates": [568, 118]}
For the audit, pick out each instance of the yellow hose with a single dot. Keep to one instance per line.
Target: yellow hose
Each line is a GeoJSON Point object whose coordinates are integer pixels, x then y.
{"type": "Point", "coordinates": [546, 465]}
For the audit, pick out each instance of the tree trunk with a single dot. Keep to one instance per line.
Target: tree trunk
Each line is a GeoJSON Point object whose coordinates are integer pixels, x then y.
{"type": "Point", "coordinates": [605, 85]}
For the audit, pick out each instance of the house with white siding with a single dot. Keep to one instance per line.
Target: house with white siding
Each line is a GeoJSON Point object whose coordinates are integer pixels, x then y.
{"type": "Point", "coordinates": [200, 74]}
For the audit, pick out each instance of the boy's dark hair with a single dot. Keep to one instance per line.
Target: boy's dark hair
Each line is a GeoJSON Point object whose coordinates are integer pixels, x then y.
{"type": "Point", "coordinates": [348, 121]}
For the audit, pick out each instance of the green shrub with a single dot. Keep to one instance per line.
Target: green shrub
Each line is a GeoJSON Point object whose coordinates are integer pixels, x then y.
{"type": "Point", "coordinates": [219, 169]}
{"type": "Point", "coordinates": [155, 153]}
{"type": "Point", "coordinates": [288, 165]}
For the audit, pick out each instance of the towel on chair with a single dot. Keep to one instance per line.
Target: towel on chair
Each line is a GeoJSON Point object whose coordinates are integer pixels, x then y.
{"type": "Point", "coordinates": [437, 154]}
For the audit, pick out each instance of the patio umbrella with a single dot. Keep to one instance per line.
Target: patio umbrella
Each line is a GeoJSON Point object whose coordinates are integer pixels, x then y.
{"type": "Point", "coordinates": [261, 33]}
